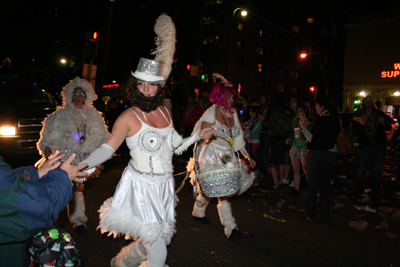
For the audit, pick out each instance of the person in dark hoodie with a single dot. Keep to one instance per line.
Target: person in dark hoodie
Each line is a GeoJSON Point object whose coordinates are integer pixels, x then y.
{"type": "Point", "coordinates": [28, 199]}
{"type": "Point", "coordinates": [321, 156]}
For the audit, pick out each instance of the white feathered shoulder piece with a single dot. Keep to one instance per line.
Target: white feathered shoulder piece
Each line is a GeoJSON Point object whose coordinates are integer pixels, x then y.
{"type": "Point", "coordinates": [165, 41]}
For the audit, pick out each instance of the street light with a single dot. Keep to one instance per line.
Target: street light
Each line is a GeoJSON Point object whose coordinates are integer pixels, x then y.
{"type": "Point", "coordinates": [243, 13]}
{"type": "Point", "coordinates": [304, 55]}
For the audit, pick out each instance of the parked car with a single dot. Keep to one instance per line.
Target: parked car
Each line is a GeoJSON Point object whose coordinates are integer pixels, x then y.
{"type": "Point", "coordinates": [23, 107]}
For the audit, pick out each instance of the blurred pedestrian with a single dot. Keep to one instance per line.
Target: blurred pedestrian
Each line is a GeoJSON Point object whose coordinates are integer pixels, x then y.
{"type": "Point", "coordinates": [191, 114]}
{"type": "Point", "coordinates": [205, 102]}
{"type": "Point", "coordinates": [298, 149]}
{"type": "Point", "coordinates": [263, 150]}
{"type": "Point", "coordinates": [370, 126]}
{"type": "Point", "coordinates": [347, 123]}
{"type": "Point", "coordinates": [321, 155]}
{"type": "Point", "coordinates": [177, 96]}
{"type": "Point", "coordinates": [279, 124]}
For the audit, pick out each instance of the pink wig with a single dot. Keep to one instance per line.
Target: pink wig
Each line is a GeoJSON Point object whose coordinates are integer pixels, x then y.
{"type": "Point", "coordinates": [219, 95]}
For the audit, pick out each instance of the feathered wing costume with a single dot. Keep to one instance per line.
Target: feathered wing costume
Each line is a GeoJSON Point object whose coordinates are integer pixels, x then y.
{"type": "Point", "coordinates": [60, 130]}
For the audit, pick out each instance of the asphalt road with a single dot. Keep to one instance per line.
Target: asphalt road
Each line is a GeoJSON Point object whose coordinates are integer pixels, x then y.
{"type": "Point", "coordinates": [280, 235]}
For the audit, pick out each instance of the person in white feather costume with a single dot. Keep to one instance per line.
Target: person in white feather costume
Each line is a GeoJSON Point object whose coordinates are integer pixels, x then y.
{"type": "Point", "coordinates": [143, 205]}
{"type": "Point", "coordinates": [76, 127]}
{"type": "Point", "coordinates": [217, 159]}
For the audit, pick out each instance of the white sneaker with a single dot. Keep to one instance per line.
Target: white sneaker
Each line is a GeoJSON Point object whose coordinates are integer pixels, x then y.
{"type": "Point", "coordinates": [285, 181]}
{"type": "Point", "coordinates": [291, 184]}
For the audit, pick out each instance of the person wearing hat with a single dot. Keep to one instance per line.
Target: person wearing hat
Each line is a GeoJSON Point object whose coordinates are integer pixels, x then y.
{"type": "Point", "coordinates": [143, 205]}
{"type": "Point", "coordinates": [76, 127]}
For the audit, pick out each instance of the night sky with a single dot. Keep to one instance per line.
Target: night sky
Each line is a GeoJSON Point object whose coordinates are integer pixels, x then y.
{"type": "Point", "coordinates": [45, 30]}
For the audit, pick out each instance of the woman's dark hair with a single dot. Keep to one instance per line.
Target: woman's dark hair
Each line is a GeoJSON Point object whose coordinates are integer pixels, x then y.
{"type": "Point", "coordinates": [305, 109]}
{"type": "Point", "coordinates": [193, 98]}
{"type": "Point", "coordinates": [137, 99]}
{"type": "Point", "coordinates": [327, 103]}
{"type": "Point", "coordinates": [255, 109]}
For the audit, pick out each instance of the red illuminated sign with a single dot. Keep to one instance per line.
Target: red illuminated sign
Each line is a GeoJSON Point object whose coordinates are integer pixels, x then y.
{"type": "Point", "coordinates": [392, 73]}
{"type": "Point", "coordinates": [111, 85]}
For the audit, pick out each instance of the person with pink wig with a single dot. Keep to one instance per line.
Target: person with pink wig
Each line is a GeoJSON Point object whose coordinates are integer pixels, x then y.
{"type": "Point", "coordinates": [218, 156]}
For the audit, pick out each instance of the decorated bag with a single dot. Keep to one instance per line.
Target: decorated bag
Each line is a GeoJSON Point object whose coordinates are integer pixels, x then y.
{"type": "Point", "coordinates": [52, 247]}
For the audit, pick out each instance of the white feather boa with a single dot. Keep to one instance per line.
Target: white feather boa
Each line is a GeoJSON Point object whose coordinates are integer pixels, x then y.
{"type": "Point", "coordinates": [59, 129]}
{"type": "Point", "coordinates": [209, 116]}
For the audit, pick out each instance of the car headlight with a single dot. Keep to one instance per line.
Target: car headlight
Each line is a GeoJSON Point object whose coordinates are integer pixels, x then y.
{"type": "Point", "coordinates": [7, 130]}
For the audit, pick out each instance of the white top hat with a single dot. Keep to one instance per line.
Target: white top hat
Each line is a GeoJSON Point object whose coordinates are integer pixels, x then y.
{"type": "Point", "coordinates": [150, 71]}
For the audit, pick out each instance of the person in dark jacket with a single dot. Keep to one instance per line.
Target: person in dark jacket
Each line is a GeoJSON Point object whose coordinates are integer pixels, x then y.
{"type": "Point", "coordinates": [321, 156]}
{"type": "Point", "coordinates": [370, 126]}
{"type": "Point", "coordinates": [28, 199]}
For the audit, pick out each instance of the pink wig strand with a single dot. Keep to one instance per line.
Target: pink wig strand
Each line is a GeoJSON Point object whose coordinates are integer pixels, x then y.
{"type": "Point", "coordinates": [219, 95]}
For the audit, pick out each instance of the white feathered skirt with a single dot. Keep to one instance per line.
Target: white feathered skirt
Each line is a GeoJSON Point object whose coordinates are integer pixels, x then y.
{"type": "Point", "coordinates": [140, 209]}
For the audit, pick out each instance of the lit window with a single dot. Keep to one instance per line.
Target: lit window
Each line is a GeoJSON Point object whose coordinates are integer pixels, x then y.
{"type": "Point", "coordinates": [281, 88]}
{"type": "Point", "coordinates": [240, 26]}
{"type": "Point", "coordinates": [296, 29]}
{"type": "Point", "coordinates": [260, 33]}
{"type": "Point", "coordinates": [259, 67]}
{"type": "Point", "coordinates": [294, 74]}
{"type": "Point", "coordinates": [260, 50]}
{"type": "Point", "coordinates": [239, 44]}
{"type": "Point", "coordinates": [219, 2]}
{"type": "Point", "coordinates": [217, 38]}
{"type": "Point", "coordinates": [310, 20]}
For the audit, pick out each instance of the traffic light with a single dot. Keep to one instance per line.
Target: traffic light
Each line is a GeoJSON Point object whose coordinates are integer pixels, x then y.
{"type": "Point", "coordinates": [91, 45]}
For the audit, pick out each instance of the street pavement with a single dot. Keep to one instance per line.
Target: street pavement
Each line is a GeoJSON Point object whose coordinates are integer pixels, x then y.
{"type": "Point", "coordinates": [279, 233]}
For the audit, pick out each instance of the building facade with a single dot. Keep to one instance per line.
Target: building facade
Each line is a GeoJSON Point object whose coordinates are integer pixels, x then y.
{"type": "Point", "coordinates": [372, 62]}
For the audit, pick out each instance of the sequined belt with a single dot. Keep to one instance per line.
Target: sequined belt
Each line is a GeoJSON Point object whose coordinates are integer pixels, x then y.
{"type": "Point", "coordinates": [150, 174]}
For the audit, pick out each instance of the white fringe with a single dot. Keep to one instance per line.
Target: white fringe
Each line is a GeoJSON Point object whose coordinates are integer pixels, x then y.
{"type": "Point", "coordinates": [117, 222]}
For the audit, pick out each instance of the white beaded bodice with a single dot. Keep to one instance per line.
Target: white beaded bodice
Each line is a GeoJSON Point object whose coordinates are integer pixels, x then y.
{"type": "Point", "coordinates": [151, 150]}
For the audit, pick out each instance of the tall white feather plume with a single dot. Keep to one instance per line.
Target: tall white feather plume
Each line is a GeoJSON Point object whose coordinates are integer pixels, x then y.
{"type": "Point", "coordinates": [165, 41]}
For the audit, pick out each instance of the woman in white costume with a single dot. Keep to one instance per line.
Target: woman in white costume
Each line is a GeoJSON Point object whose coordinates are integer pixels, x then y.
{"type": "Point", "coordinates": [218, 156]}
{"type": "Point", "coordinates": [76, 127]}
{"type": "Point", "coordinates": [143, 205]}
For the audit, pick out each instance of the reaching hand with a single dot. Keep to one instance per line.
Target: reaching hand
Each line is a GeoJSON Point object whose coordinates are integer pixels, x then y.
{"type": "Point", "coordinates": [50, 164]}
{"type": "Point", "coordinates": [252, 163]}
{"type": "Point", "coordinates": [73, 170]}
{"type": "Point", "coordinates": [207, 133]}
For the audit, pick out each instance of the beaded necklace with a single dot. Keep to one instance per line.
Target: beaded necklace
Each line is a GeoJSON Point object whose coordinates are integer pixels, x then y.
{"type": "Point", "coordinates": [226, 123]}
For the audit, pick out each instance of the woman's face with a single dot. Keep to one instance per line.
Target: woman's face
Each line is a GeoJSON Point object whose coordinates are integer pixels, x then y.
{"type": "Point", "coordinates": [148, 89]}
{"type": "Point", "coordinates": [230, 100]}
{"type": "Point", "coordinates": [262, 100]}
{"type": "Point", "coordinates": [300, 113]}
{"type": "Point", "coordinates": [319, 108]}
{"type": "Point", "coordinates": [78, 97]}
{"type": "Point", "coordinates": [293, 103]}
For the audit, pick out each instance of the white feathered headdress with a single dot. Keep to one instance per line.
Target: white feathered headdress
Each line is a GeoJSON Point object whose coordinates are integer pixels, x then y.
{"type": "Point", "coordinates": [158, 70]}
{"type": "Point", "coordinates": [69, 89]}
